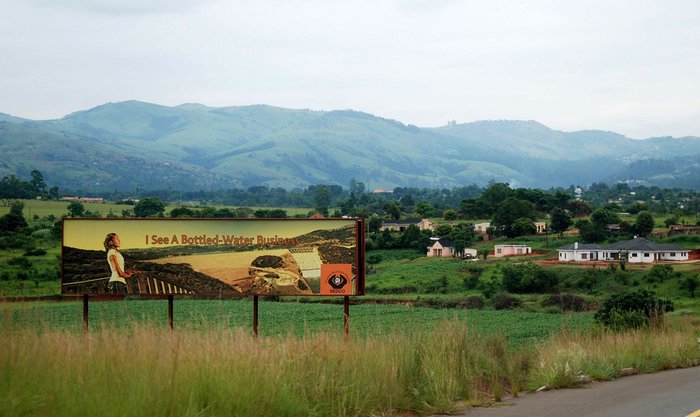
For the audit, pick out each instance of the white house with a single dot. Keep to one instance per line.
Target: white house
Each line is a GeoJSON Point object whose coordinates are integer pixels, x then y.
{"type": "Point", "coordinates": [637, 250]}
{"type": "Point", "coordinates": [578, 252]}
{"type": "Point", "coordinates": [481, 227]}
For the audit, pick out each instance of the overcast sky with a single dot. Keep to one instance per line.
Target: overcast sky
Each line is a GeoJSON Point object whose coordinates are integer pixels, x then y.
{"type": "Point", "coordinates": [632, 67]}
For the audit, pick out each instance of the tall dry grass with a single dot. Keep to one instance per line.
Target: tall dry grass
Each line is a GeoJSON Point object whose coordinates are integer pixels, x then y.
{"type": "Point", "coordinates": [147, 370]}
{"type": "Point", "coordinates": [568, 358]}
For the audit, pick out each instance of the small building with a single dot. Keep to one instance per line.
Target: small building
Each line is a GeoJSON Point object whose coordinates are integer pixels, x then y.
{"type": "Point", "coordinates": [482, 227]}
{"type": "Point", "coordinates": [401, 225]}
{"type": "Point", "coordinates": [577, 252]}
{"type": "Point", "coordinates": [679, 229]}
{"type": "Point", "coordinates": [511, 250]}
{"type": "Point", "coordinates": [541, 227]}
{"type": "Point", "coordinates": [441, 248]}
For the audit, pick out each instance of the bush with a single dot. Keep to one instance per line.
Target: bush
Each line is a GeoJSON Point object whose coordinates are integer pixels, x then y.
{"type": "Point", "coordinates": [660, 273]}
{"type": "Point", "coordinates": [35, 252]}
{"type": "Point", "coordinates": [690, 284]}
{"type": "Point", "coordinates": [470, 281]}
{"type": "Point", "coordinates": [473, 301]}
{"type": "Point", "coordinates": [505, 301]}
{"type": "Point", "coordinates": [527, 278]}
{"type": "Point", "coordinates": [489, 287]}
{"type": "Point", "coordinates": [566, 302]}
{"type": "Point", "coordinates": [632, 310]}
{"type": "Point", "coordinates": [21, 262]}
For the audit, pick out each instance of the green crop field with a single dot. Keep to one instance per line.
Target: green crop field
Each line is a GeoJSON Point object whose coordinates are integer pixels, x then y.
{"type": "Point", "coordinates": [294, 318]}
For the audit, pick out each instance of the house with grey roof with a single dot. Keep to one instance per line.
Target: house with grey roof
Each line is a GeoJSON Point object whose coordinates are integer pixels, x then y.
{"type": "Point", "coordinates": [401, 225]}
{"type": "Point", "coordinates": [579, 252]}
{"type": "Point", "coordinates": [443, 248]}
{"type": "Point", "coordinates": [637, 250]}
{"type": "Point", "coordinates": [440, 247]}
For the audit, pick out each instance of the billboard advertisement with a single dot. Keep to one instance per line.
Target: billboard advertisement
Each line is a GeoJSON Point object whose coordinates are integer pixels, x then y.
{"type": "Point", "coordinates": [222, 257]}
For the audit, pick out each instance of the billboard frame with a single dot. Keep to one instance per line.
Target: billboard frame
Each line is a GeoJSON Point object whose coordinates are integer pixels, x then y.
{"type": "Point", "coordinates": [360, 258]}
{"type": "Point", "coordinates": [360, 274]}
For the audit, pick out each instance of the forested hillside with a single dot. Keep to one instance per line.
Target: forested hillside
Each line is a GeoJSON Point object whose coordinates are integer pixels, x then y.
{"type": "Point", "coordinates": [135, 145]}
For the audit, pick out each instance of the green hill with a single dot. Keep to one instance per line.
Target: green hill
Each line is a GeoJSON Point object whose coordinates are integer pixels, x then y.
{"type": "Point", "coordinates": [191, 146]}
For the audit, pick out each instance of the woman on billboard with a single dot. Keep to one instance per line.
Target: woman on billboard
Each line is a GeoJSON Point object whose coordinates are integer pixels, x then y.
{"type": "Point", "coordinates": [117, 282]}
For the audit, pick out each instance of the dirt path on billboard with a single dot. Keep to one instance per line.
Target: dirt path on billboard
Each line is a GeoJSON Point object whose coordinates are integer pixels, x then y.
{"type": "Point", "coordinates": [673, 393]}
{"type": "Point", "coordinates": [219, 265]}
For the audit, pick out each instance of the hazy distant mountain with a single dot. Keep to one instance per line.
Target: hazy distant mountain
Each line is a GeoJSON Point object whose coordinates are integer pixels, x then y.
{"type": "Point", "coordinates": [134, 144]}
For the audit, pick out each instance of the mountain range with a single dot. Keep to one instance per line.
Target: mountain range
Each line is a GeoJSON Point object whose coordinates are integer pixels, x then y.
{"type": "Point", "coordinates": [134, 145]}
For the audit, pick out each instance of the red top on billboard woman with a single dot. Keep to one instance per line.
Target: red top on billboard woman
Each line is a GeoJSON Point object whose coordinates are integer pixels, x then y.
{"type": "Point", "coordinates": [117, 282]}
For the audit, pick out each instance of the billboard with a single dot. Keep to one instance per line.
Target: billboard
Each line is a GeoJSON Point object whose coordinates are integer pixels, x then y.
{"type": "Point", "coordinates": [222, 257]}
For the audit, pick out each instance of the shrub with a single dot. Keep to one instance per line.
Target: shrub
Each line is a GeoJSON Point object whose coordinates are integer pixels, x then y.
{"type": "Point", "coordinates": [660, 273]}
{"type": "Point", "coordinates": [35, 252]}
{"type": "Point", "coordinates": [470, 281]}
{"type": "Point", "coordinates": [473, 301]}
{"type": "Point", "coordinates": [566, 302]}
{"type": "Point", "coordinates": [505, 301]}
{"type": "Point", "coordinates": [527, 278]}
{"type": "Point", "coordinates": [690, 284]}
{"type": "Point", "coordinates": [21, 262]}
{"type": "Point", "coordinates": [632, 310]}
{"type": "Point", "coordinates": [489, 287]}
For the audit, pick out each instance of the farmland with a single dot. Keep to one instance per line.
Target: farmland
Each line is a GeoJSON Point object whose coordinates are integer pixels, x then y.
{"type": "Point", "coordinates": [429, 334]}
{"type": "Point", "coordinates": [283, 318]}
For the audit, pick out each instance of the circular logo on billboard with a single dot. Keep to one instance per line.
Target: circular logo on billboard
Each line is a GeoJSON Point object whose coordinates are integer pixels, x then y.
{"type": "Point", "coordinates": [337, 280]}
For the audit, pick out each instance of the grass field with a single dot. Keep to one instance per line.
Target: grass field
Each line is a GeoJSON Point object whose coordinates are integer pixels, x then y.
{"type": "Point", "coordinates": [139, 369]}
{"type": "Point", "coordinates": [283, 318]}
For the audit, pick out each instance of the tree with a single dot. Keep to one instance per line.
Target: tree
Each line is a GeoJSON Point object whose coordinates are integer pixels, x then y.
{"type": "Point", "coordinates": [632, 310]}
{"type": "Point", "coordinates": [76, 209]}
{"type": "Point", "coordinates": [510, 210]}
{"type": "Point", "coordinates": [322, 199]}
{"type": "Point", "coordinates": [374, 224]}
{"type": "Point", "coordinates": [527, 278]}
{"type": "Point", "coordinates": [644, 224]}
{"type": "Point", "coordinates": [449, 215]}
{"type": "Point", "coordinates": [561, 220]}
{"type": "Point", "coordinates": [522, 227]}
{"type": "Point", "coordinates": [182, 212]}
{"type": "Point", "coordinates": [690, 284]}
{"type": "Point", "coordinates": [393, 210]}
{"type": "Point", "coordinates": [406, 200]}
{"type": "Point", "coordinates": [412, 238]}
{"type": "Point", "coordinates": [13, 220]}
{"type": "Point", "coordinates": [443, 230]}
{"type": "Point", "coordinates": [496, 194]}
{"type": "Point", "coordinates": [424, 209]}
{"type": "Point", "coordinates": [38, 183]}
{"type": "Point", "coordinates": [149, 207]}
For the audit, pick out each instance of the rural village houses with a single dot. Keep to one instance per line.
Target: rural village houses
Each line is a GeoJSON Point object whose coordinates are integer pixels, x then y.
{"type": "Point", "coordinates": [638, 250]}
{"type": "Point", "coordinates": [401, 225]}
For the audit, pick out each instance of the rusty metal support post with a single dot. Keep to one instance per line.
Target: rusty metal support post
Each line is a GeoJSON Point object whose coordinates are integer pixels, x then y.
{"type": "Point", "coordinates": [255, 316]}
{"type": "Point", "coordinates": [346, 317]}
{"type": "Point", "coordinates": [85, 313]}
{"type": "Point", "coordinates": [170, 311]}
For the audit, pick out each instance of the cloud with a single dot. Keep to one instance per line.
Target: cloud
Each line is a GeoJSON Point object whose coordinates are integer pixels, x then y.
{"type": "Point", "coordinates": [123, 6]}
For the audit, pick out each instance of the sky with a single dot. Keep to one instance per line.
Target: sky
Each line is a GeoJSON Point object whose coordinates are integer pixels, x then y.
{"type": "Point", "coordinates": [142, 234]}
{"type": "Point", "coordinates": [632, 67]}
